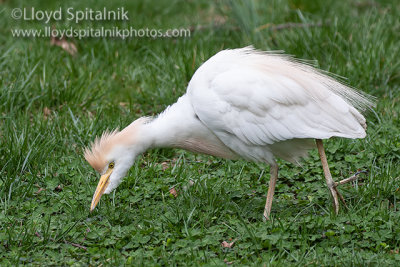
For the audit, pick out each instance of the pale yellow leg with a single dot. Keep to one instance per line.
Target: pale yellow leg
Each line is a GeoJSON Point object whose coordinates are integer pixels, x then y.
{"type": "Point", "coordinates": [328, 177]}
{"type": "Point", "coordinates": [271, 190]}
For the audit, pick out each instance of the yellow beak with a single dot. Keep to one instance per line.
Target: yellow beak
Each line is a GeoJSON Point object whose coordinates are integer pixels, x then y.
{"type": "Point", "coordinates": [101, 187]}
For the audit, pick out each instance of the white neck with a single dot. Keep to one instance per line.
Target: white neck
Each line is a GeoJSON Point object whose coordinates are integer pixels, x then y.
{"type": "Point", "coordinates": [178, 126]}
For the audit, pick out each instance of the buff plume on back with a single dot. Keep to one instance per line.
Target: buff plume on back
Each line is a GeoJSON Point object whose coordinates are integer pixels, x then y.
{"type": "Point", "coordinates": [301, 71]}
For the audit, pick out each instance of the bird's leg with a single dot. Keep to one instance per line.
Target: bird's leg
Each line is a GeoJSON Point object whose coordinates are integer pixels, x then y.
{"type": "Point", "coordinates": [271, 190]}
{"type": "Point", "coordinates": [328, 177]}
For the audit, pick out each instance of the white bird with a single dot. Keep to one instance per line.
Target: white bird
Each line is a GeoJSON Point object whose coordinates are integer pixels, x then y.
{"type": "Point", "coordinates": [241, 103]}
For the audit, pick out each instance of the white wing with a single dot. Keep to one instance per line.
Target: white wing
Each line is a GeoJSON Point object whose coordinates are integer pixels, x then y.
{"type": "Point", "coordinates": [253, 100]}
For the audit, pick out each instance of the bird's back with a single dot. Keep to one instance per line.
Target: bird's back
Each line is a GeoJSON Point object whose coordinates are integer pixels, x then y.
{"type": "Point", "coordinates": [263, 105]}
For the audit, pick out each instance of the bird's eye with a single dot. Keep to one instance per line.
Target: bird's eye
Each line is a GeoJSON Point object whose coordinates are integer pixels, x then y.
{"type": "Point", "coordinates": [111, 165]}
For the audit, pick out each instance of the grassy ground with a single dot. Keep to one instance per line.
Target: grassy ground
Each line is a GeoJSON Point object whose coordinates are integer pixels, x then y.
{"type": "Point", "coordinates": [53, 104]}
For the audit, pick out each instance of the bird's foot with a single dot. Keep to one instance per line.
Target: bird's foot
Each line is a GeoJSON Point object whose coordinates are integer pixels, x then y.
{"type": "Point", "coordinates": [341, 198]}
{"type": "Point", "coordinates": [336, 195]}
{"type": "Point", "coordinates": [265, 216]}
{"type": "Point", "coordinates": [335, 192]}
{"type": "Point", "coordinates": [350, 179]}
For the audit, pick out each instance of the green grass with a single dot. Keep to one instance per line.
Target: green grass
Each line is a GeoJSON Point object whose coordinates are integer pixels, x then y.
{"type": "Point", "coordinates": [46, 186]}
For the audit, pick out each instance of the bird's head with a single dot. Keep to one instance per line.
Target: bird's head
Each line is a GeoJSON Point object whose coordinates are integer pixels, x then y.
{"type": "Point", "coordinates": [112, 155]}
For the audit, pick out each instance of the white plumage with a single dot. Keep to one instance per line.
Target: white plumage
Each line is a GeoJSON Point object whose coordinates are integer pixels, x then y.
{"type": "Point", "coordinates": [243, 103]}
{"type": "Point", "coordinates": [252, 100]}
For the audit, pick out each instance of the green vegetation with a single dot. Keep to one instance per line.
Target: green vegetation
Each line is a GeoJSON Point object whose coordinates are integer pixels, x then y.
{"type": "Point", "coordinates": [53, 104]}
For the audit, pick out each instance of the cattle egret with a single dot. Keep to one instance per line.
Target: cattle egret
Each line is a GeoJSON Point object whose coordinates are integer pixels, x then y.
{"type": "Point", "coordinates": [242, 103]}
